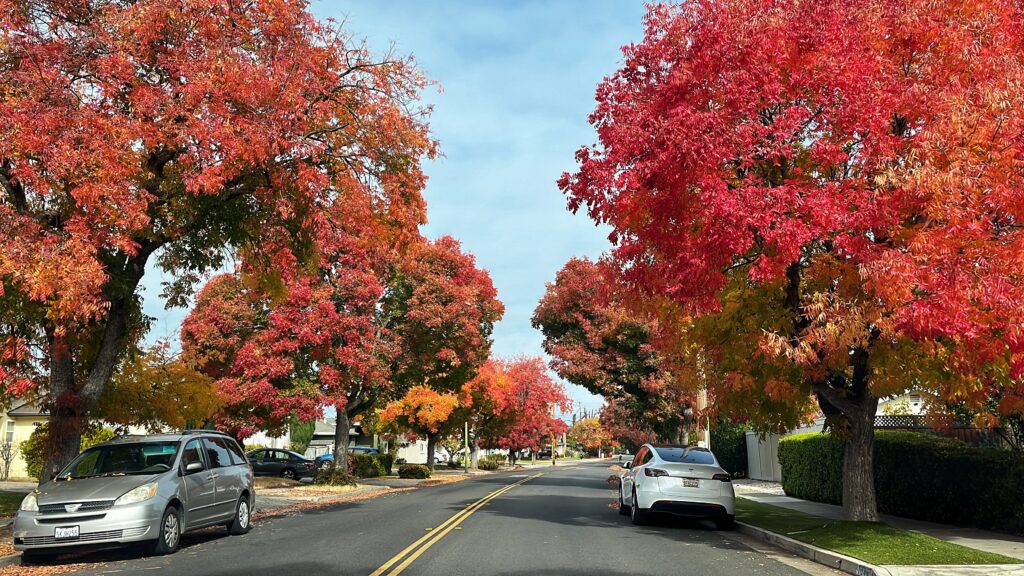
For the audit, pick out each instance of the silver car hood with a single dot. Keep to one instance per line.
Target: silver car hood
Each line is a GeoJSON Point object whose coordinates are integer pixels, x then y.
{"type": "Point", "coordinates": [83, 489]}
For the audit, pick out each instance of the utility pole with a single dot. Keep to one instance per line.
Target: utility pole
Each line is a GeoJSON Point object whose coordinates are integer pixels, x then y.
{"type": "Point", "coordinates": [465, 457]}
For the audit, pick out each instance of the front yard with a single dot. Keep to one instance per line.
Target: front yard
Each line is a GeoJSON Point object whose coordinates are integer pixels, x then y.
{"type": "Point", "coordinates": [9, 502]}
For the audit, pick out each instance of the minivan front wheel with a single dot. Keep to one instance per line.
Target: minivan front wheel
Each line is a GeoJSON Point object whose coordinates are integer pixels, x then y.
{"type": "Point", "coordinates": [169, 536]}
{"type": "Point", "coordinates": [242, 521]}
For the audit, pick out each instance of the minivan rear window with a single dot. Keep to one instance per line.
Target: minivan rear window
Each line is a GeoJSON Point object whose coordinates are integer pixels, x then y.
{"type": "Point", "coordinates": [686, 455]}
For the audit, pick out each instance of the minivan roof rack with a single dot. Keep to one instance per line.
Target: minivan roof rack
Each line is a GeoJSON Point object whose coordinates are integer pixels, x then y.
{"type": "Point", "coordinates": [203, 431]}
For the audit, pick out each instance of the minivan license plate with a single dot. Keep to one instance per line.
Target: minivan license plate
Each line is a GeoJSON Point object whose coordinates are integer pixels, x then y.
{"type": "Point", "coordinates": [62, 532]}
{"type": "Point", "coordinates": [690, 483]}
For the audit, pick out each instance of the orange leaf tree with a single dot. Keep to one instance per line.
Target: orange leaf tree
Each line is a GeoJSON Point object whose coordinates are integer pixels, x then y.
{"type": "Point", "coordinates": [442, 309]}
{"type": "Point", "coordinates": [169, 133]}
{"type": "Point", "coordinates": [854, 167]}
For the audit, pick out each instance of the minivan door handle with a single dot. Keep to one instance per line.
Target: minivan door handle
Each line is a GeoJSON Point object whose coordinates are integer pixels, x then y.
{"type": "Point", "coordinates": [211, 477]}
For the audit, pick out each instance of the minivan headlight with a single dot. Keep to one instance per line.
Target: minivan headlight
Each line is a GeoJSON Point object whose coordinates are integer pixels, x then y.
{"type": "Point", "coordinates": [135, 495]}
{"type": "Point", "coordinates": [29, 504]}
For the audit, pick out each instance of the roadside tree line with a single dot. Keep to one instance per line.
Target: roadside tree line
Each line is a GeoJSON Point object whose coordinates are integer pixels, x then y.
{"type": "Point", "coordinates": [812, 206]}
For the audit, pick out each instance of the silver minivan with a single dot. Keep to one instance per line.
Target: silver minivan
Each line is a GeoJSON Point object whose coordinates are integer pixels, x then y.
{"type": "Point", "coordinates": [148, 489]}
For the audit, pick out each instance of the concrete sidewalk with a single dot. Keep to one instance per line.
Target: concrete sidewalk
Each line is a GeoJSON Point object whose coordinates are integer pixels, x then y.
{"type": "Point", "coordinates": [771, 493]}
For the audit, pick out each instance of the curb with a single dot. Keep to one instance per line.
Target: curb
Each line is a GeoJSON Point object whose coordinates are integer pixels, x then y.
{"type": "Point", "coordinates": [820, 555]}
{"type": "Point", "coordinates": [13, 559]}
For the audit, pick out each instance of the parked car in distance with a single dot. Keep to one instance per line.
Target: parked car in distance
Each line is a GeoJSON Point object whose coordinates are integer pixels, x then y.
{"type": "Point", "coordinates": [544, 454]}
{"type": "Point", "coordinates": [625, 457]}
{"type": "Point", "coordinates": [325, 459]}
{"type": "Point", "coordinates": [148, 489]}
{"type": "Point", "coordinates": [283, 463]}
{"type": "Point", "coordinates": [681, 480]}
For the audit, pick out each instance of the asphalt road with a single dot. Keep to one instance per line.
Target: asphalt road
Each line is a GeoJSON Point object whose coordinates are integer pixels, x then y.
{"type": "Point", "coordinates": [558, 523]}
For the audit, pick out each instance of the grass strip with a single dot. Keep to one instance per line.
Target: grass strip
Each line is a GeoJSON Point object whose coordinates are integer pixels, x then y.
{"type": "Point", "coordinates": [9, 502]}
{"type": "Point", "coordinates": [873, 542]}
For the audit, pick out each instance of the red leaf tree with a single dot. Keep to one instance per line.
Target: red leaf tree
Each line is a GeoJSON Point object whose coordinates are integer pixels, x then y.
{"type": "Point", "coordinates": [442, 308]}
{"type": "Point", "coordinates": [598, 342]}
{"type": "Point", "coordinates": [524, 404]}
{"type": "Point", "coordinates": [852, 167]}
{"type": "Point", "coordinates": [172, 132]}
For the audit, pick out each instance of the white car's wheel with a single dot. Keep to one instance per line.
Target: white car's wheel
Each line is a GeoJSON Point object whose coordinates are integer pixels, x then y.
{"type": "Point", "coordinates": [637, 514]}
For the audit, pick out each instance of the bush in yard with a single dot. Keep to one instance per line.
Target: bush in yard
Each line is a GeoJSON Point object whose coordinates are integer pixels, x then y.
{"type": "Point", "coordinates": [387, 462]}
{"type": "Point", "coordinates": [729, 443]}
{"type": "Point", "coordinates": [812, 466]}
{"type": "Point", "coordinates": [330, 476]}
{"type": "Point", "coordinates": [366, 466]}
{"type": "Point", "coordinates": [487, 464]}
{"type": "Point", "coordinates": [920, 476]}
{"type": "Point", "coordinates": [33, 450]}
{"type": "Point", "coordinates": [415, 471]}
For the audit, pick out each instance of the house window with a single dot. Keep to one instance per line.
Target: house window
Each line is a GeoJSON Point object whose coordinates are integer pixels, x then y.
{"type": "Point", "coordinates": [10, 432]}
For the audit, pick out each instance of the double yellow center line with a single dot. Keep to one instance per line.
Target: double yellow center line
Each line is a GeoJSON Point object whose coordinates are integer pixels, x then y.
{"type": "Point", "coordinates": [413, 551]}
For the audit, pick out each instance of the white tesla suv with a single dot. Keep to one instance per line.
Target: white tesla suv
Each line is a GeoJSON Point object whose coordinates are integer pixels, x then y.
{"type": "Point", "coordinates": [681, 480]}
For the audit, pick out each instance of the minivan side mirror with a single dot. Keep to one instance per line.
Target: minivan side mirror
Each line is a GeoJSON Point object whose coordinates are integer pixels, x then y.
{"type": "Point", "coordinates": [193, 467]}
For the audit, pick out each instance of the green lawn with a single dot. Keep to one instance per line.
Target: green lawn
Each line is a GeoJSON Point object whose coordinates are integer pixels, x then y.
{"type": "Point", "coordinates": [9, 502]}
{"type": "Point", "coordinates": [872, 542]}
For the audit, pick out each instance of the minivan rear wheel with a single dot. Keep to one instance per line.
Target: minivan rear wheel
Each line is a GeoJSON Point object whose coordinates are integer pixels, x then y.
{"type": "Point", "coordinates": [169, 536]}
{"type": "Point", "coordinates": [242, 522]}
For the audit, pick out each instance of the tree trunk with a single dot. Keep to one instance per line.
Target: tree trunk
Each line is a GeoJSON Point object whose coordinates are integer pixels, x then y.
{"type": "Point", "coordinates": [474, 453]}
{"type": "Point", "coordinates": [512, 457]}
{"type": "Point", "coordinates": [341, 439]}
{"type": "Point", "coordinates": [431, 444]}
{"type": "Point", "coordinates": [67, 421]}
{"type": "Point", "coordinates": [859, 466]}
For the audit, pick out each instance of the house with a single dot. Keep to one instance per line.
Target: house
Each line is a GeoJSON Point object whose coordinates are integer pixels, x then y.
{"type": "Point", "coordinates": [16, 425]}
{"type": "Point", "coordinates": [323, 438]}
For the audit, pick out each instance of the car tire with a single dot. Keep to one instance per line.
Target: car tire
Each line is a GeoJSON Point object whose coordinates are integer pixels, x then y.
{"type": "Point", "coordinates": [242, 522]}
{"type": "Point", "coordinates": [29, 557]}
{"type": "Point", "coordinates": [623, 509]}
{"type": "Point", "coordinates": [725, 523]}
{"type": "Point", "coordinates": [289, 474]}
{"type": "Point", "coordinates": [637, 514]}
{"type": "Point", "coordinates": [169, 535]}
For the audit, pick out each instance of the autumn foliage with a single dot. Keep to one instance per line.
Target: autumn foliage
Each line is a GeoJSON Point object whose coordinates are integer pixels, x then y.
{"type": "Point", "coordinates": [176, 133]}
{"type": "Point", "coordinates": [833, 191]}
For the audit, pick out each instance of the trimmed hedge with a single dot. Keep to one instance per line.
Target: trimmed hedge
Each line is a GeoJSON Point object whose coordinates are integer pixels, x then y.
{"type": "Point", "coordinates": [366, 465]}
{"type": "Point", "coordinates": [920, 476]}
{"type": "Point", "coordinates": [417, 471]}
{"type": "Point", "coordinates": [387, 461]}
{"type": "Point", "coordinates": [729, 443]}
{"type": "Point", "coordinates": [487, 464]}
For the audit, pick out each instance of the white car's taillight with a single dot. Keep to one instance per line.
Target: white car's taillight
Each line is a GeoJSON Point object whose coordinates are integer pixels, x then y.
{"type": "Point", "coordinates": [722, 477]}
{"type": "Point", "coordinates": [655, 472]}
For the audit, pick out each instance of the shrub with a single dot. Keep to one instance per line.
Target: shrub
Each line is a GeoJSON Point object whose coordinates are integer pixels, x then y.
{"type": "Point", "coordinates": [366, 465]}
{"type": "Point", "coordinates": [487, 464]}
{"type": "Point", "coordinates": [920, 476]}
{"type": "Point", "coordinates": [387, 462]}
{"type": "Point", "coordinates": [417, 471]}
{"type": "Point", "coordinates": [330, 476]}
{"type": "Point", "coordinates": [499, 458]}
{"type": "Point", "coordinates": [729, 443]}
{"type": "Point", "coordinates": [33, 450]}
{"type": "Point", "coordinates": [812, 467]}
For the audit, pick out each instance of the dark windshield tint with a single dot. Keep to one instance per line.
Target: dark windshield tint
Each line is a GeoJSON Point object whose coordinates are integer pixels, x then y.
{"type": "Point", "coordinates": [122, 459]}
{"type": "Point", "coordinates": [686, 455]}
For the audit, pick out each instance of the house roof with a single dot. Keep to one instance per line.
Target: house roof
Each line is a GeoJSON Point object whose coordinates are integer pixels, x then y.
{"type": "Point", "coordinates": [26, 408]}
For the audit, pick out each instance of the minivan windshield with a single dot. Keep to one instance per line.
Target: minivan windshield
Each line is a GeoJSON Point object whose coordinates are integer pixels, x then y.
{"type": "Point", "coordinates": [122, 460]}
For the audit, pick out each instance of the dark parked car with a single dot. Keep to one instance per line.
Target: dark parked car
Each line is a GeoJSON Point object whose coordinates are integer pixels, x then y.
{"type": "Point", "coordinates": [283, 463]}
{"type": "Point", "coordinates": [325, 460]}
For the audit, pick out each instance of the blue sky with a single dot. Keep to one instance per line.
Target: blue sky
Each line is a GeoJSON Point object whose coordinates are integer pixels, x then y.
{"type": "Point", "coordinates": [518, 81]}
